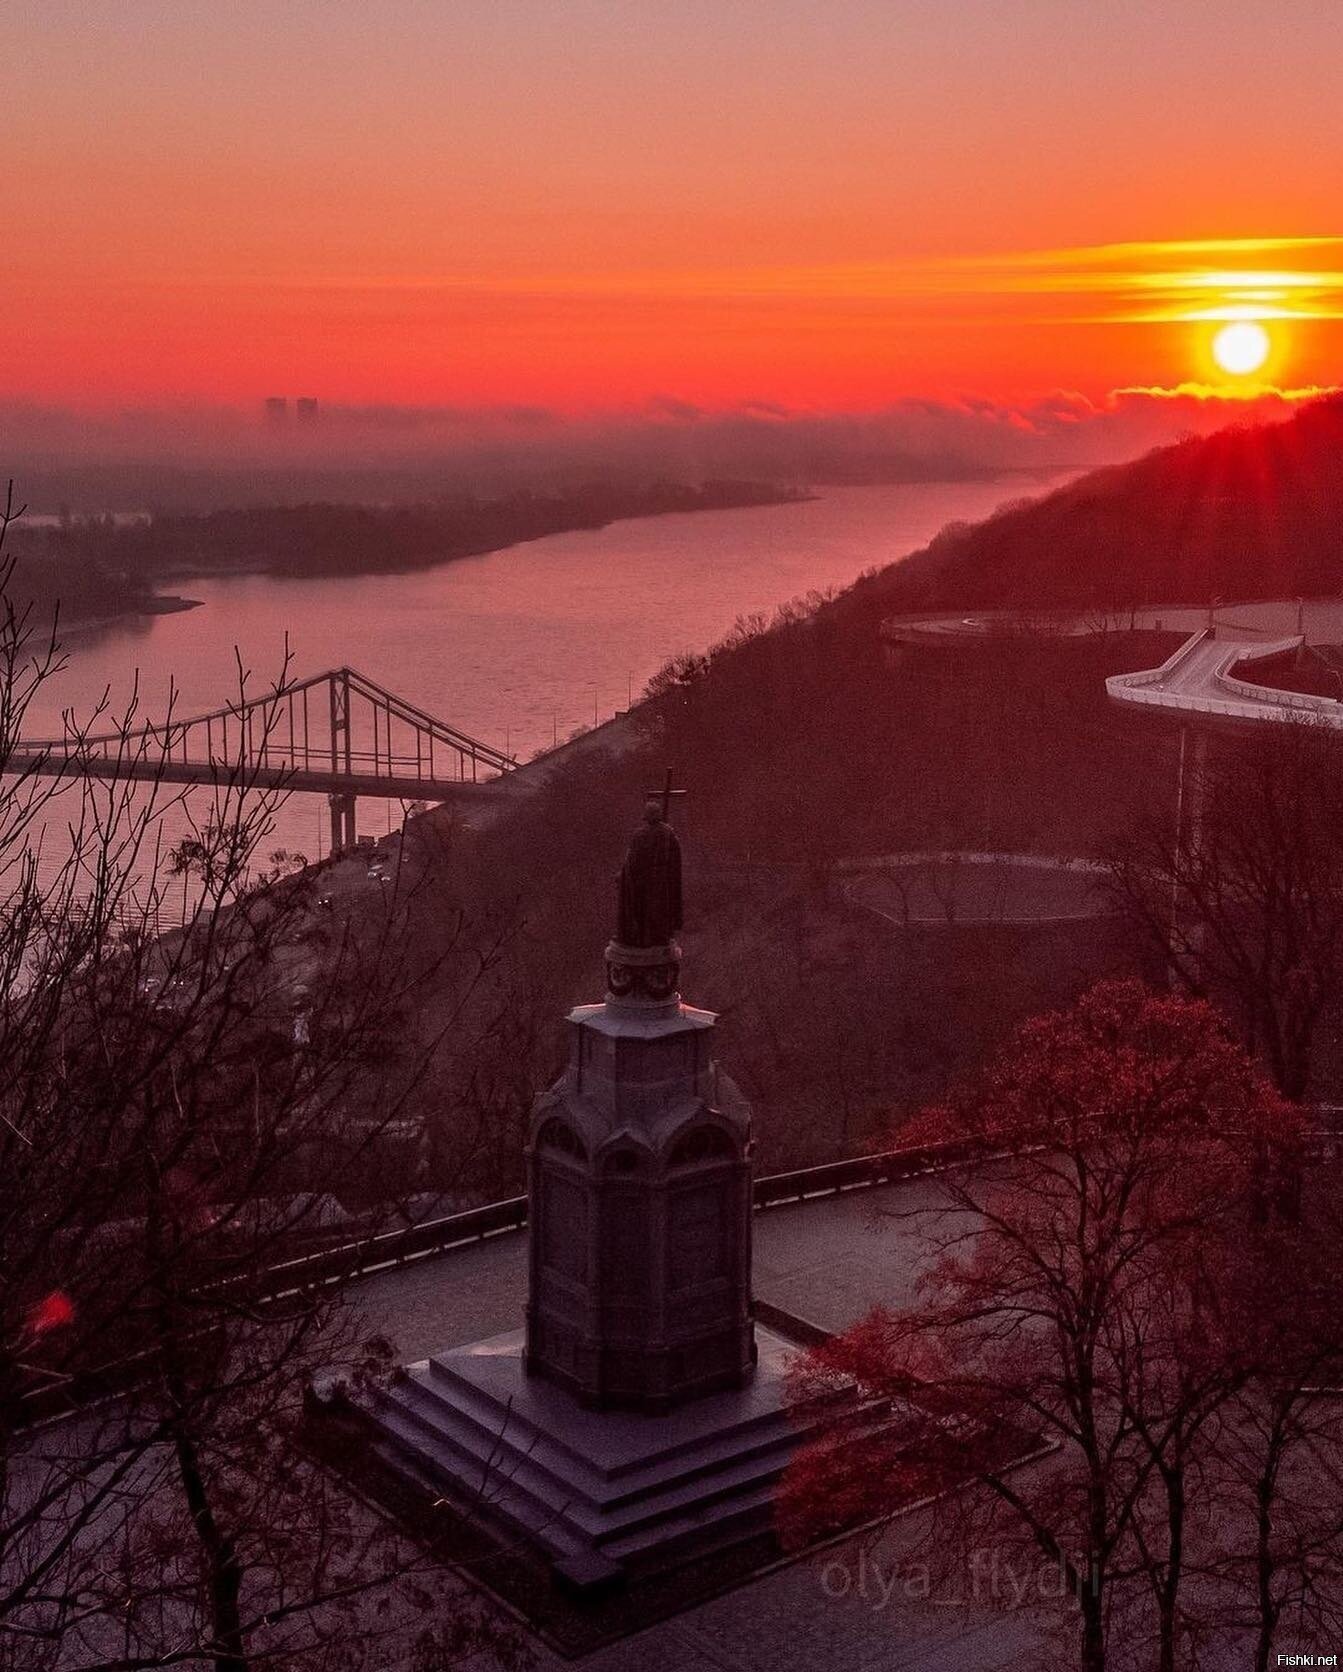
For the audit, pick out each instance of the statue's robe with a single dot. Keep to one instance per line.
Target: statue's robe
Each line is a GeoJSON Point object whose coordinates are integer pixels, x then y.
{"type": "Point", "coordinates": [650, 888]}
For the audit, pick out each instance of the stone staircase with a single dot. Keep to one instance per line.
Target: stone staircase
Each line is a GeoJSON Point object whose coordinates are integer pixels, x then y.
{"type": "Point", "coordinates": [598, 1491]}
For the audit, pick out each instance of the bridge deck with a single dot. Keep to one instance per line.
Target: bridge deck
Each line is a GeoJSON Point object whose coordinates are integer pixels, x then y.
{"type": "Point", "coordinates": [1200, 679]}
{"type": "Point", "coordinates": [153, 770]}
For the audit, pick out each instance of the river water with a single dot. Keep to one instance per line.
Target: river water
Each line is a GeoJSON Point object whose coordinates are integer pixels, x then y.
{"type": "Point", "coordinates": [519, 647]}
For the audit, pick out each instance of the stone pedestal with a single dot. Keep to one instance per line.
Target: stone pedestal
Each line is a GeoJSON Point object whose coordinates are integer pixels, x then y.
{"type": "Point", "coordinates": [640, 1186]}
{"type": "Point", "coordinates": [599, 1492]}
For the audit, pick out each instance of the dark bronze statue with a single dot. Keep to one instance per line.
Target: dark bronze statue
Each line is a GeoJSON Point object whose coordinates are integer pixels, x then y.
{"type": "Point", "coordinates": [650, 883]}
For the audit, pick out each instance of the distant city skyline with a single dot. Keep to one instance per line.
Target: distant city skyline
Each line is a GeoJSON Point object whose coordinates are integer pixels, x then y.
{"type": "Point", "coordinates": [275, 409]}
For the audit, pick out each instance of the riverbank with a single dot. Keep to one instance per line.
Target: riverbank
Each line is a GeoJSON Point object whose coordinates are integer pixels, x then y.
{"type": "Point", "coordinates": [89, 563]}
{"type": "Point", "coordinates": [157, 603]}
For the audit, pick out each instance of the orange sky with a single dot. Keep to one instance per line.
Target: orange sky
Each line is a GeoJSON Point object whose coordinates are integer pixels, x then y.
{"type": "Point", "coordinates": [596, 202]}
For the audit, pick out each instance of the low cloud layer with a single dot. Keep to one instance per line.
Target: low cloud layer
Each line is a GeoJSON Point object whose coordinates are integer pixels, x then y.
{"type": "Point", "coordinates": [193, 456]}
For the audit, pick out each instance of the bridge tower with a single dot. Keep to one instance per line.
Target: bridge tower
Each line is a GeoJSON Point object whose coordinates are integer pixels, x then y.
{"type": "Point", "coordinates": [343, 831]}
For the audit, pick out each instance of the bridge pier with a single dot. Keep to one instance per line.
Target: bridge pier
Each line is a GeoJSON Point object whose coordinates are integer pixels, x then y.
{"type": "Point", "coordinates": [342, 821]}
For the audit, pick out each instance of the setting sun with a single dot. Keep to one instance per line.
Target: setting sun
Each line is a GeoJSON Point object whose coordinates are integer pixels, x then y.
{"type": "Point", "coordinates": [1241, 348]}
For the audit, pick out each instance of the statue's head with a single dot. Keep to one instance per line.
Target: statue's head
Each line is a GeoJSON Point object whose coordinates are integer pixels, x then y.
{"type": "Point", "coordinates": [653, 810]}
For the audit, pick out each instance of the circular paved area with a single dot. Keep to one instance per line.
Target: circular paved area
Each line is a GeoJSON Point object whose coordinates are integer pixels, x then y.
{"type": "Point", "coordinates": [949, 891]}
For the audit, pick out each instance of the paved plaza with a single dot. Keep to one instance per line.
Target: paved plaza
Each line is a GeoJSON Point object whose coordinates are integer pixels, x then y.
{"type": "Point", "coordinates": [829, 1261]}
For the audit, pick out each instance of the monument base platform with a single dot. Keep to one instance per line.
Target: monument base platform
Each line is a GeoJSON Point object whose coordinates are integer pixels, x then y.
{"type": "Point", "coordinates": [599, 1492]}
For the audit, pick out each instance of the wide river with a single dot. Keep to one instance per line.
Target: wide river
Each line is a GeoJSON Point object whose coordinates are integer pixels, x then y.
{"type": "Point", "coordinates": [518, 647]}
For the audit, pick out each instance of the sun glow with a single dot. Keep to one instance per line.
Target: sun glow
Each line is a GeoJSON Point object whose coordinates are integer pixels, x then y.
{"type": "Point", "coordinates": [1241, 348]}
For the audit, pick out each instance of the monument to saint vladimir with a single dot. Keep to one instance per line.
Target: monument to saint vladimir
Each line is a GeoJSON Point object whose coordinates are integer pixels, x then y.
{"type": "Point", "coordinates": [641, 1412]}
{"type": "Point", "coordinates": [639, 1176]}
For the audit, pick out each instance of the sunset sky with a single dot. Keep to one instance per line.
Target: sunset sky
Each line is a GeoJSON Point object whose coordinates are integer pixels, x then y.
{"type": "Point", "coordinates": [593, 203]}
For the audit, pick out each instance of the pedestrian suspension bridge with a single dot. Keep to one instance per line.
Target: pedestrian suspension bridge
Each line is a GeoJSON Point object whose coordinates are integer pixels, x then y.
{"type": "Point", "coordinates": [337, 733]}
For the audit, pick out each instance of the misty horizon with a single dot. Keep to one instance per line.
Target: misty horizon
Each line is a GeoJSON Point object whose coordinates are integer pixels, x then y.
{"type": "Point", "coordinates": [198, 456]}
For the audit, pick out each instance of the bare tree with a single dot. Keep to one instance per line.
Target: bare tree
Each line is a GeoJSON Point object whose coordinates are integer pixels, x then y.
{"type": "Point", "coordinates": [1242, 887]}
{"type": "Point", "coordinates": [1275, 1565]}
{"type": "Point", "coordinates": [176, 1110]}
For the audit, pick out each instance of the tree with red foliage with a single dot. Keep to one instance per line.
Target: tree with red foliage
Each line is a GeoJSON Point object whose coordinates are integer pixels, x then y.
{"type": "Point", "coordinates": [1096, 1305]}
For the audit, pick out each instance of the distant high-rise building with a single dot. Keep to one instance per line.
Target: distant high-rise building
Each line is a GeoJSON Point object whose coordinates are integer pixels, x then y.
{"type": "Point", "coordinates": [276, 409]}
{"type": "Point", "coordinates": [305, 409]}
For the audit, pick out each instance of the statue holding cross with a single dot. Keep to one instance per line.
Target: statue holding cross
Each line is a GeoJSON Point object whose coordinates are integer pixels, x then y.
{"type": "Point", "coordinates": [649, 911]}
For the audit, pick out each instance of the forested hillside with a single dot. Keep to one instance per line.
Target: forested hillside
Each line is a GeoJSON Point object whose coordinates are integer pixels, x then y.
{"type": "Point", "coordinates": [1253, 512]}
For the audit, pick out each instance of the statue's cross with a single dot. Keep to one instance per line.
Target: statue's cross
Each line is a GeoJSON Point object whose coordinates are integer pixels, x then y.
{"type": "Point", "coordinates": [666, 793]}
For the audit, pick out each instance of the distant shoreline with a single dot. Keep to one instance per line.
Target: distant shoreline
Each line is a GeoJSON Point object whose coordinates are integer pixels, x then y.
{"type": "Point", "coordinates": [111, 549]}
{"type": "Point", "coordinates": [158, 603]}
{"type": "Point", "coordinates": [269, 566]}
